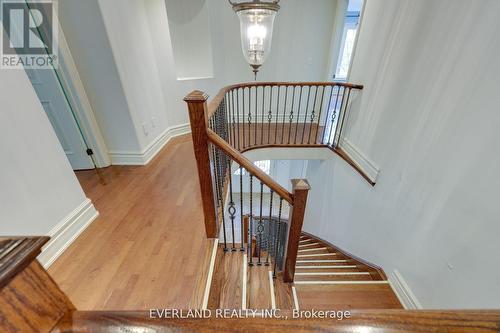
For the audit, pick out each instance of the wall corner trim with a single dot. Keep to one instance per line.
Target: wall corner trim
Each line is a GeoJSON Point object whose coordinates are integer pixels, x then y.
{"type": "Point", "coordinates": [370, 169]}
{"type": "Point", "coordinates": [146, 155]}
{"type": "Point", "coordinates": [66, 231]}
{"type": "Point", "coordinates": [403, 291]}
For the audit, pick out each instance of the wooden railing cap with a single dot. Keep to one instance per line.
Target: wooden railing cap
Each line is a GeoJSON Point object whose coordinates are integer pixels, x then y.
{"type": "Point", "coordinates": [196, 96]}
{"type": "Point", "coordinates": [300, 184]}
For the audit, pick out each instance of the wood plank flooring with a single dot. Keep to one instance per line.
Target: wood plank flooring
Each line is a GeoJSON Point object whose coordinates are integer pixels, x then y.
{"type": "Point", "coordinates": [133, 256]}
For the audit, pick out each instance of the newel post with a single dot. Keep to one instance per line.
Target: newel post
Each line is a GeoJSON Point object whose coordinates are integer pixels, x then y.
{"type": "Point", "coordinates": [300, 191]}
{"type": "Point", "coordinates": [198, 117]}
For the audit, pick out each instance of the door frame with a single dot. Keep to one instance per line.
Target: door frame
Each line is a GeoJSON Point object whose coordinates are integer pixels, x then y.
{"type": "Point", "coordinates": [77, 97]}
{"type": "Point", "coordinates": [81, 108]}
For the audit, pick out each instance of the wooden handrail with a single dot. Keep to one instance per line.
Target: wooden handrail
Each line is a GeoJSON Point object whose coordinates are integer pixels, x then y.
{"type": "Point", "coordinates": [249, 166]}
{"type": "Point", "coordinates": [382, 321]}
{"type": "Point", "coordinates": [215, 102]}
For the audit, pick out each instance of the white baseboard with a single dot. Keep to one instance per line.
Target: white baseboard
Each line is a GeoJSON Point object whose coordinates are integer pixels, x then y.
{"type": "Point", "coordinates": [403, 291]}
{"type": "Point", "coordinates": [65, 232]}
{"type": "Point", "coordinates": [145, 156]}
{"type": "Point", "coordinates": [363, 162]}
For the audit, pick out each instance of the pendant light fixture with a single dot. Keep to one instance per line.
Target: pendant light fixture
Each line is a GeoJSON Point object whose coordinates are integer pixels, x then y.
{"type": "Point", "coordinates": [256, 28]}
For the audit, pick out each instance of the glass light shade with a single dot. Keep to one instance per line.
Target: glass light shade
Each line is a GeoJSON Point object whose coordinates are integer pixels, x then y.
{"type": "Point", "coordinates": [256, 27]}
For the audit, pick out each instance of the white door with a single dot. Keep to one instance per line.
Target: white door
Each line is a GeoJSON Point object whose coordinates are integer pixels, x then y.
{"type": "Point", "coordinates": [54, 103]}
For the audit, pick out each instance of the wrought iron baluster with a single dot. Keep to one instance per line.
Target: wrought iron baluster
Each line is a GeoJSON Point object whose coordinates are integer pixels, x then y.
{"type": "Point", "coordinates": [238, 114]}
{"type": "Point", "coordinates": [277, 115]}
{"type": "Point", "coordinates": [269, 224]}
{"type": "Point", "coordinates": [256, 116]}
{"type": "Point", "coordinates": [262, 121]}
{"type": "Point", "coordinates": [284, 114]}
{"type": "Point", "coordinates": [270, 113]}
{"type": "Point", "coordinates": [241, 211]}
{"type": "Point", "coordinates": [305, 116]}
{"type": "Point", "coordinates": [298, 115]}
{"type": "Point", "coordinates": [290, 117]}
{"type": "Point", "coordinates": [276, 248]}
{"type": "Point", "coordinates": [243, 116]}
{"type": "Point", "coordinates": [231, 209]}
{"type": "Point", "coordinates": [313, 114]}
{"type": "Point", "coordinates": [327, 117]}
{"type": "Point", "coordinates": [249, 116]}
{"type": "Point", "coordinates": [219, 181]}
{"type": "Point", "coordinates": [334, 115]}
{"type": "Point", "coordinates": [319, 114]}
{"type": "Point", "coordinates": [250, 225]}
{"type": "Point", "coordinates": [343, 117]}
{"type": "Point", "coordinates": [260, 226]}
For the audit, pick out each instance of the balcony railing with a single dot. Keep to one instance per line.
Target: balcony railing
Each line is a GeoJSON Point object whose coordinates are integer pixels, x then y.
{"type": "Point", "coordinates": [244, 206]}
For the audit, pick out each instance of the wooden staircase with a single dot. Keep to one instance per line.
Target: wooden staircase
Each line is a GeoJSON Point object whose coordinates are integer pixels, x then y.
{"type": "Point", "coordinates": [325, 278]}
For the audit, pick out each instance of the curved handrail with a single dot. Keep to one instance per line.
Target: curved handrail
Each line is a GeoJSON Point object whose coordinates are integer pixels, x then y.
{"type": "Point", "coordinates": [215, 102]}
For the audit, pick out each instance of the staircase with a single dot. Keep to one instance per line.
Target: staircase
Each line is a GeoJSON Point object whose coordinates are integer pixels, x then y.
{"type": "Point", "coordinates": [264, 260]}
{"type": "Point", "coordinates": [325, 278]}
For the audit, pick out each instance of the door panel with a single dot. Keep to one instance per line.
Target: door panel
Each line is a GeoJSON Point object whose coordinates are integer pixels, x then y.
{"type": "Point", "coordinates": [56, 107]}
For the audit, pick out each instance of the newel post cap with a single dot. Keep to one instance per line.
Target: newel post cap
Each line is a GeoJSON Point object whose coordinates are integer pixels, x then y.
{"type": "Point", "coordinates": [300, 184]}
{"type": "Point", "coordinates": [196, 96]}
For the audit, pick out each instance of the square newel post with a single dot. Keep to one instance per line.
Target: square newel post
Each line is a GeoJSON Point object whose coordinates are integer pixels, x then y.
{"type": "Point", "coordinates": [198, 117]}
{"type": "Point", "coordinates": [300, 190]}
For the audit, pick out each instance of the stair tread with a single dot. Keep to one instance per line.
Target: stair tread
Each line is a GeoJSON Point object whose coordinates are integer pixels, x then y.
{"type": "Point", "coordinates": [352, 277]}
{"type": "Point", "coordinates": [352, 296]}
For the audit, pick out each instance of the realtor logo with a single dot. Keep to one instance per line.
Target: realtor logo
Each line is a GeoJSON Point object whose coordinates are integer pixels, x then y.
{"type": "Point", "coordinates": [29, 38]}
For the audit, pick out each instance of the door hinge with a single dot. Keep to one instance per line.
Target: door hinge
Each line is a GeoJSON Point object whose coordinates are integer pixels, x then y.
{"type": "Point", "coordinates": [90, 152]}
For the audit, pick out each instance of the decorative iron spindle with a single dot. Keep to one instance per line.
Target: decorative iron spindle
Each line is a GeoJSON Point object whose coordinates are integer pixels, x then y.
{"type": "Point", "coordinates": [277, 115]}
{"type": "Point", "coordinates": [337, 116]}
{"type": "Point", "coordinates": [290, 117]}
{"type": "Point", "coordinates": [231, 209]}
{"type": "Point", "coordinates": [262, 111]}
{"type": "Point", "coordinates": [305, 116]}
{"type": "Point", "coordinates": [319, 114]}
{"type": "Point", "coordinates": [270, 113]}
{"type": "Point", "coordinates": [276, 247]}
{"type": "Point", "coordinates": [241, 211]}
{"type": "Point", "coordinates": [260, 226]}
{"type": "Point", "coordinates": [334, 115]}
{"type": "Point", "coordinates": [269, 238]}
{"type": "Point", "coordinates": [343, 118]}
{"type": "Point", "coordinates": [327, 114]}
{"type": "Point", "coordinates": [298, 115]}
{"type": "Point", "coordinates": [250, 225]}
{"type": "Point", "coordinates": [284, 114]}
{"type": "Point", "coordinates": [313, 115]}
{"type": "Point", "coordinates": [256, 116]}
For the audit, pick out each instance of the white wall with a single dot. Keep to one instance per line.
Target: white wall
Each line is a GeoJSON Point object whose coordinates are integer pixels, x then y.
{"type": "Point", "coordinates": [124, 53]}
{"type": "Point", "coordinates": [429, 118]}
{"type": "Point", "coordinates": [189, 24]}
{"type": "Point", "coordinates": [86, 36]}
{"type": "Point", "coordinates": [38, 188]}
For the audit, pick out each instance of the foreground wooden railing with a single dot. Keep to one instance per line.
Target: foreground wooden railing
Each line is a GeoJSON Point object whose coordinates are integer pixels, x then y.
{"type": "Point", "coordinates": [256, 115]}
{"type": "Point", "coordinates": [30, 301]}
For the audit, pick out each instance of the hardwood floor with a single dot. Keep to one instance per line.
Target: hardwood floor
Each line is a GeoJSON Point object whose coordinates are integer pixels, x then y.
{"type": "Point", "coordinates": [134, 255]}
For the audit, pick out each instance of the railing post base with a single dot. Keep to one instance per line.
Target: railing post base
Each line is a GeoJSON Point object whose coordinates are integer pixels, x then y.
{"type": "Point", "coordinates": [197, 106]}
{"type": "Point", "coordinates": [300, 191]}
